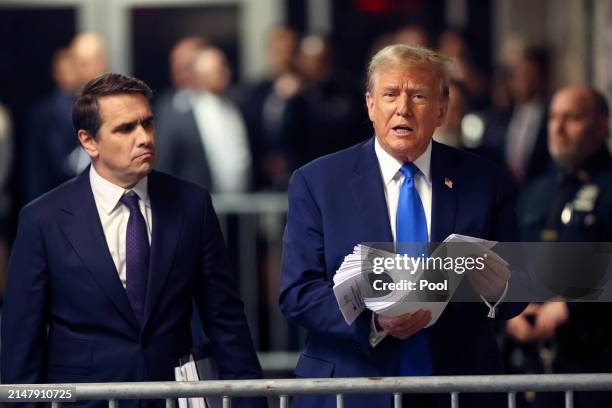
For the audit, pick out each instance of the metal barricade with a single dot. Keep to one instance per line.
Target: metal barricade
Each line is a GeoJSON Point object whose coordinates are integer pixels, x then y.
{"type": "Point", "coordinates": [284, 388]}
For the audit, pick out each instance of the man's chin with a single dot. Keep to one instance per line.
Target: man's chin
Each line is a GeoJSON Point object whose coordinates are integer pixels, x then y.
{"type": "Point", "coordinates": [407, 150]}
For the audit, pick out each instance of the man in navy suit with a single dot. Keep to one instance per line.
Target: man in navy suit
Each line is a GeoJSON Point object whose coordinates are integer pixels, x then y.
{"type": "Point", "coordinates": [105, 267]}
{"type": "Point", "coordinates": [355, 196]}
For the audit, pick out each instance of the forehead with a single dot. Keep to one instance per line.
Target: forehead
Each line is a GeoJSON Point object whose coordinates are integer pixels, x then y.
{"type": "Point", "coordinates": [572, 101]}
{"type": "Point", "coordinates": [123, 108]}
{"type": "Point", "coordinates": [404, 75]}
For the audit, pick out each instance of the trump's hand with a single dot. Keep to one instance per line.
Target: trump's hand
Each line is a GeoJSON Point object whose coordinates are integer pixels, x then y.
{"type": "Point", "coordinates": [405, 325]}
{"type": "Point", "coordinates": [490, 282]}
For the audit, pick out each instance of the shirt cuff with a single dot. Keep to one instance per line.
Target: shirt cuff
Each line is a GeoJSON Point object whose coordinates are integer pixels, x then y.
{"type": "Point", "coordinates": [492, 308]}
{"type": "Point", "coordinates": [375, 335]}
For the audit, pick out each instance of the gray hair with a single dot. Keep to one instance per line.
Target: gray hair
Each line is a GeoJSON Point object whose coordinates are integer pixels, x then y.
{"type": "Point", "coordinates": [411, 56]}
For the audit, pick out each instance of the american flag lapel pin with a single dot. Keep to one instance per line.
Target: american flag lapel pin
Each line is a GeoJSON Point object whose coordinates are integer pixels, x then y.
{"type": "Point", "coordinates": [448, 183]}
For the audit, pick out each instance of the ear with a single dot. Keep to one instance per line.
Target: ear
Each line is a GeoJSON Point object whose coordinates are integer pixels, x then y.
{"type": "Point", "coordinates": [442, 110]}
{"type": "Point", "coordinates": [88, 142]}
{"type": "Point", "coordinates": [369, 99]}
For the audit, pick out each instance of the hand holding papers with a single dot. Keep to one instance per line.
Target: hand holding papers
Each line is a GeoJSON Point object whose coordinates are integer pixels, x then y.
{"type": "Point", "coordinates": [393, 284]}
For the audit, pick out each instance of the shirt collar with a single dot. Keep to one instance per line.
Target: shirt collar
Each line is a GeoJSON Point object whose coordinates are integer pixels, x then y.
{"type": "Point", "coordinates": [109, 194]}
{"type": "Point", "coordinates": [389, 165]}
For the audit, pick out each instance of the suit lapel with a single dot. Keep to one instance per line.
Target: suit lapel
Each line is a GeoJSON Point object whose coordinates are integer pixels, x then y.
{"type": "Point", "coordinates": [167, 223]}
{"type": "Point", "coordinates": [368, 191]}
{"type": "Point", "coordinates": [84, 231]}
{"type": "Point", "coordinates": [444, 197]}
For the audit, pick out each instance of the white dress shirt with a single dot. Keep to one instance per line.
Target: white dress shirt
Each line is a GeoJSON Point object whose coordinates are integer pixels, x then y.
{"type": "Point", "coordinates": [224, 136]}
{"type": "Point", "coordinates": [114, 215]}
{"type": "Point", "coordinates": [392, 180]}
{"type": "Point", "coordinates": [521, 137]}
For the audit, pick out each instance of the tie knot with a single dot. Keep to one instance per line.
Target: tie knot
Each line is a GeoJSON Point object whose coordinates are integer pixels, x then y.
{"type": "Point", "coordinates": [130, 200]}
{"type": "Point", "coordinates": [409, 170]}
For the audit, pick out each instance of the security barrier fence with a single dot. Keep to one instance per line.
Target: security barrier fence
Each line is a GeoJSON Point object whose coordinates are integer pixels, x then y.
{"type": "Point", "coordinates": [283, 389]}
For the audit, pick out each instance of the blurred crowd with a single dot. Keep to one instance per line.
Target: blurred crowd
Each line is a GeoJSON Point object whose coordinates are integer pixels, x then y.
{"type": "Point", "coordinates": [245, 137]}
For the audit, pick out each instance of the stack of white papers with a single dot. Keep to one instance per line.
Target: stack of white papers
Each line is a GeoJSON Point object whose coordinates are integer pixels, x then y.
{"type": "Point", "coordinates": [354, 291]}
{"type": "Point", "coordinates": [187, 371]}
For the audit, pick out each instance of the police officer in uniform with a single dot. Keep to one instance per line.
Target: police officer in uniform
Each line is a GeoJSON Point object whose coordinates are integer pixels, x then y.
{"type": "Point", "coordinates": [571, 203]}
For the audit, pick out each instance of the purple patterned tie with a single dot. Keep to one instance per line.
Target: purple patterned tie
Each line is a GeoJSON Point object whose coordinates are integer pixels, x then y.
{"type": "Point", "coordinates": [136, 255]}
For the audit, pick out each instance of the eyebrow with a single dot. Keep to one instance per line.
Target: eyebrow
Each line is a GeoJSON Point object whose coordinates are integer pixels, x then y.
{"type": "Point", "coordinates": [393, 87]}
{"type": "Point", "coordinates": [128, 125]}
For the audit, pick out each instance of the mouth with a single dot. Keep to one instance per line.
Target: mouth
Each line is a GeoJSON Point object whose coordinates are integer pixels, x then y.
{"type": "Point", "coordinates": [145, 155]}
{"type": "Point", "coordinates": [402, 130]}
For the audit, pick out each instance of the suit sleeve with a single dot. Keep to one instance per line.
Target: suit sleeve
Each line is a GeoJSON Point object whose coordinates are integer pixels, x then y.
{"type": "Point", "coordinates": [220, 307]}
{"type": "Point", "coordinates": [24, 314]}
{"type": "Point", "coordinates": [307, 298]}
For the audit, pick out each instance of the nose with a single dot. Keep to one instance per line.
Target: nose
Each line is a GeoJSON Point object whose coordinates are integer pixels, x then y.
{"type": "Point", "coordinates": [145, 135]}
{"type": "Point", "coordinates": [556, 124]}
{"type": "Point", "coordinates": [403, 107]}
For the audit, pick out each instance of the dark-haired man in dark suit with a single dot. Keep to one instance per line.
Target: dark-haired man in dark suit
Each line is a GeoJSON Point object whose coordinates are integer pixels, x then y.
{"type": "Point", "coordinates": [105, 267]}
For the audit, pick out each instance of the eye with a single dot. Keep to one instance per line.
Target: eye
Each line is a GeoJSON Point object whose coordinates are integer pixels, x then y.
{"type": "Point", "coordinates": [127, 128]}
{"type": "Point", "coordinates": [419, 97]}
{"type": "Point", "coordinates": [147, 123]}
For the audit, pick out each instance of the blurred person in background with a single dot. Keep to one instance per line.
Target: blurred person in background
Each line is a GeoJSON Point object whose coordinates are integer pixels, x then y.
{"type": "Point", "coordinates": [454, 44]}
{"type": "Point", "coordinates": [458, 132]}
{"type": "Point", "coordinates": [89, 51]}
{"type": "Point", "coordinates": [6, 160]}
{"type": "Point", "coordinates": [412, 34]}
{"type": "Point", "coordinates": [176, 99]}
{"type": "Point", "coordinates": [333, 115]}
{"type": "Point", "coordinates": [521, 133]}
{"type": "Point", "coordinates": [208, 144]}
{"type": "Point", "coordinates": [571, 203]}
{"type": "Point", "coordinates": [450, 132]}
{"type": "Point", "coordinates": [272, 112]}
{"type": "Point", "coordinates": [49, 141]}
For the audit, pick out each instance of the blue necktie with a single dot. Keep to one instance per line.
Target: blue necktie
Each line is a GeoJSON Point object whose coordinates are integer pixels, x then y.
{"type": "Point", "coordinates": [411, 227]}
{"type": "Point", "coordinates": [136, 255]}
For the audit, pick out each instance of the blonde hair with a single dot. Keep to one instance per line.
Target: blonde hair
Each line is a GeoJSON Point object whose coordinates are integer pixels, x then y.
{"type": "Point", "coordinates": [397, 55]}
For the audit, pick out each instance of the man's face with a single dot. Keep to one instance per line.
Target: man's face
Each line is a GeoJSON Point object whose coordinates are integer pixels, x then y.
{"type": "Point", "coordinates": [574, 130]}
{"type": "Point", "coordinates": [124, 150]}
{"type": "Point", "coordinates": [405, 106]}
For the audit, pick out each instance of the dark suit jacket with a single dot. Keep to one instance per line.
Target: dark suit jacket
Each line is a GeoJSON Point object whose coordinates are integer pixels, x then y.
{"type": "Point", "coordinates": [337, 202]}
{"type": "Point", "coordinates": [50, 138]}
{"type": "Point", "coordinates": [180, 147]}
{"type": "Point", "coordinates": [67, 318]}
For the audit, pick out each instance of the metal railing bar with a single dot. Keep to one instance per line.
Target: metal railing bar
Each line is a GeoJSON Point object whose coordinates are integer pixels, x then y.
{"type": "Point", "coordinates": [397, 400]}
{"type": "Point", "coordinates": [169, 403]}
{"type": "Point", "coordinates": [454, 400]}
{"type": "Point", "coordinates": [252, 203]}
{"type": "Point", "coordinates": [284, 401]}
{"type": "Point", "coordinates": [569, 399]}
{"type": "Point", "coordinates": [113, 403]}
{"type": "Point", "coordinates": [278, 387]}
{"type": "Point", "coordinates": [56, 404]}
{"type": "Point", "coordinates": [339, 400]}
{"type": "Point", "coordinates": [227, 402]}
{"type": "Point", "coordinates": [512, 400]}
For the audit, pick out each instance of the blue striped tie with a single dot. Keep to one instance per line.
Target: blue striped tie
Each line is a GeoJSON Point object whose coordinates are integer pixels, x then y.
{"type": "Point", "coordinates": [411, 227]}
